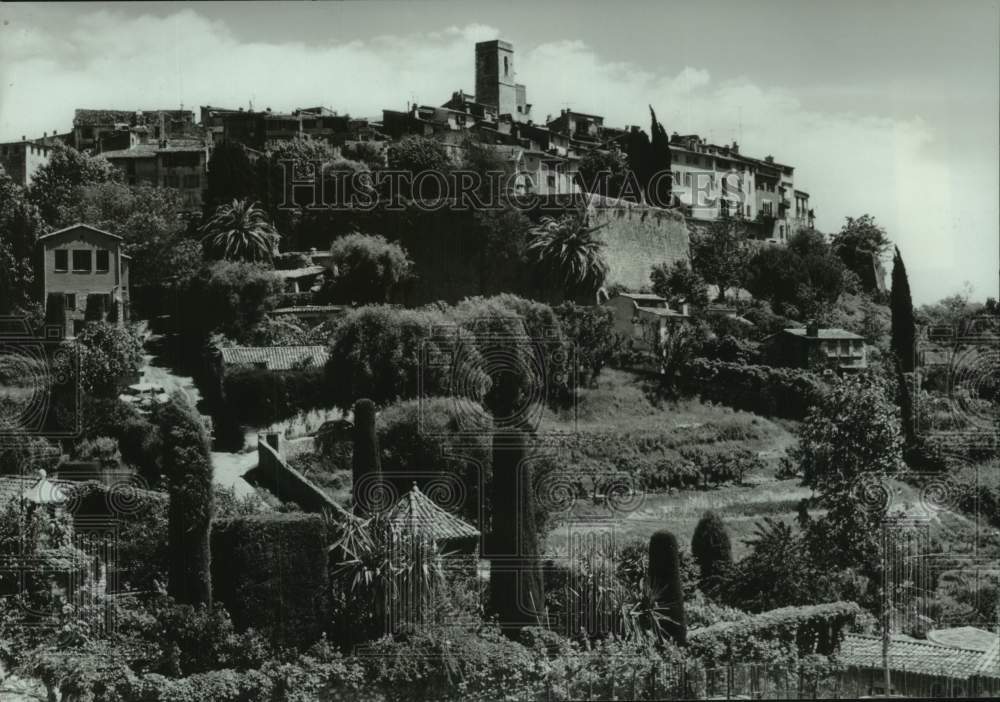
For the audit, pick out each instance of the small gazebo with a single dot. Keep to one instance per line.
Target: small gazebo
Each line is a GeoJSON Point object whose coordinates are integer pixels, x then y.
{"type": "Point", "coordinates": [417, 515]}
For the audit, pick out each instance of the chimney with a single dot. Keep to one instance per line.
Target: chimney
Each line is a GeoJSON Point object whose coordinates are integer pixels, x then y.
{"type": "Point", "coordinates": [24, 138]}
{"type": "Point", "coordinates": [45, 135]}
{"type": "Point", "coordinates": [812, 329]}
{"type": "Point", "coordinates": [769, 158]}
{"type": "Point", "coordinates": [736, 148]}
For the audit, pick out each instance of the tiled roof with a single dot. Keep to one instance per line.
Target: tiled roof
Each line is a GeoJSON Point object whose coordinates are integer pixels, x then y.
{"type": "Point", "coordinates": [661, 311]}
{"type": "Point", "coordinates": [916, 656]}
{"type": "Point", "coordinates": [968, 637]}
{"type": "Point", "coordinates": [40, 490]}
{"type": "Point", "coordinates": [151, 150]}
{"type": "Point", "coordinates": [275, 357]}
{"type": "Point", "coordinates": [643, 296]}
{"type": "Point", "coordinates": [831, 333]}
{"type": "Point", "coordinates": [306, 272]}
{"type": "Point", "coordinates": [417, 513]}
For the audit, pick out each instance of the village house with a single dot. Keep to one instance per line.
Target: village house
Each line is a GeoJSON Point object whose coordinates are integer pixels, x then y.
{"type": "Point", "coordinates": [963, 662]}
{"type": "Point", "coordinates": [84, 277]}
{"type": "Point", "coordinates": [811, 346]}
{"type": "Point", "coordinates": [22, 159]}
{"type": "Point", "coordinates": [179, 164]}
{"type": "Point", "coordinates": [643, 319]}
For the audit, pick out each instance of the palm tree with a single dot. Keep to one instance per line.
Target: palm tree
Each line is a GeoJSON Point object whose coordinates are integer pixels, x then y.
{"type": "Point", "coordinates": [567, 249]}
{"type": "Point", "coordinates": [241, 231]}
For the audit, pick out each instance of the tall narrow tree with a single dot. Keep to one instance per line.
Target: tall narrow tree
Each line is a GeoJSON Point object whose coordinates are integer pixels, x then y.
{"type": "Point", "coordinates": [366, 463]}
{"type": "Point", "coordinates": [516, 591]}
{"type": "Point", "coordinates": [711, 549]}
{"type": "Point", "coordinates": [665, 583]}
{"type": "Point", "coordinates": [904, 331]}
{"type": "Point", "coordinates": [187, 468]}
{"type": "Point", "coordinates": [659, 183]}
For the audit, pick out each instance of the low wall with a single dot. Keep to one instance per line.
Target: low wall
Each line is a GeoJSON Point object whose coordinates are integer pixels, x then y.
{"type": "Point", "coordinates": [289, 485]}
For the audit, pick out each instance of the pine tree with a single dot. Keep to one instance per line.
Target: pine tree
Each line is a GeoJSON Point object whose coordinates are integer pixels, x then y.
{"type": "Point", "coordinates": [516, 591]}
{"type": "Point", "coordinates": [665, 583]}
{"type": "Point", "coordinates": [366, 460]}
{"type": "Point", "coordinates": [903, 325]}
{"type": "Point", "coordinates": [187, 468]}
{"type": "Point", "coordinates": [711, 549]}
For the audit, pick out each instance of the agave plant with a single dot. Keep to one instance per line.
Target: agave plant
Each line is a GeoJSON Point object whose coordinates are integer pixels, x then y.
{"type": "Point", "coordinates": [240, 231]}
{"type": "Point", "coordinates": [567, 249]}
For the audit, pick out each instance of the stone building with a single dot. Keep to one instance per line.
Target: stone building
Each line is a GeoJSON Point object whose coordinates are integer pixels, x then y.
{"type": "Point", "coordinates": [84, 276]}
{"type": "Point", "coordinates": [22, 159]}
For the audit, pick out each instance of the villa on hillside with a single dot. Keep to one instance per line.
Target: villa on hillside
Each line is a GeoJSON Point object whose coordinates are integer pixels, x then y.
{"type": "Point", "coordinates": [644, 319]}
{"type": "Point", "coordinates": [807, 347]}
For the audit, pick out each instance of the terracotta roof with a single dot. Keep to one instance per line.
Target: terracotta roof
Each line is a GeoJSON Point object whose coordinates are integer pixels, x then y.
{"type": "Point", "coordinates": [275, 357]}
{"type": "Point", "coordinates": [79, 225]}
{"type": "Point", "coordinates": [415, 512]}
{"type": "Point", "coordinates": [831, 333]}
{"type": "Point", "coordinates": [306, 272]}
{"type": "Point", "coordinates": [919, 657]}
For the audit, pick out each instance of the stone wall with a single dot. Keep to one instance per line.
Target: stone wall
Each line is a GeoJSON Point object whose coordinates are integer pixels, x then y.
{"type": "Point", "coordinates": [637, 237]}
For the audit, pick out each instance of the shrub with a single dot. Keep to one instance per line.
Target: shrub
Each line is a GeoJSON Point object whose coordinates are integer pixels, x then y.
{"type": "Point", "coordinates": [711, 549]}
{"type": "Point", "coordinates": [138, 438]}
{"type": "Point", "coordinates": [108, 355]}
{"type": "Point", "coordinates": [102, 450]}
{"type": "Point", "coordinates": [665, 584]}
{"type": "Point", "coordinates": [787, 632]}
{"type": "Point", "coordinates": [271, 571]}
{"type": "Point", "coordinates": [259, 397]}
{"type": "Point", "coordinates": [282, 331]}
{"type": "Point", "coordinates": [590, 331]}
{"type": "Point", "coordinates": [730, 349]}
{"type": "Point", "coordinates": [291, 260]}
{"type": "Point", "coordinates": [781, 392]}
{"type": "Point", "coordinates": [187, 468]}
{"type": "Point", "coordinates": [229, 297]}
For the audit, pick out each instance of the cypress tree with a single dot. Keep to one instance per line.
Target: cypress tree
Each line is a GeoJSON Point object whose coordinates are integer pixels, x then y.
{"type": "Point", "coordinates": [665, 582]}
{"type": "Point", "coordinates": [187, 469]}
{"type": "Point", "coordinates": [903, 325]}
{"type": "Point", "coordinates": [366, 459]}
{"type": "Point", "coordinates": [516, 590]}
{"type": "Point", "coordinates": [659, 190]}
{"type": "Point", "coordinates": [711, 549]}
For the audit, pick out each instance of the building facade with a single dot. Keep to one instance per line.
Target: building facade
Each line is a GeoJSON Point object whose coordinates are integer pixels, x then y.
{"type": "Point", "coordinates": [22, 159]}
{"type": "Point", "coordinates": [88, 271]}
{"type": "Point", "coordinates": [811, 347]}
{"type": "Point", "coordinates": [182, 165]}
{"type": "Point", "coordinates": [90, 127]}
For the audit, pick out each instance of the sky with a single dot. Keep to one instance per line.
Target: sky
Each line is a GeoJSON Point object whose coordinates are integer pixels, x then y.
{"type": "Point", "coordinates": [886, 108]}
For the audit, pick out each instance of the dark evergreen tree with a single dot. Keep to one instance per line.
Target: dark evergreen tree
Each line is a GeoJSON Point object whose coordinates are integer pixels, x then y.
{"type": "Point", "coordinates": [187, 468]}
{"type": "Point", "coordinates": [904, 330]}
{"type": "Point", "coordinates": [516, 590]}
{"type": "Point", "coordinates": [659, 182]}
{"type": "Point", "coordinates": [711, 549]}
{"type": "Point", "coordinates": [665, 583]}
{"type": "Point", "coordinates": [231, 176]}
{"type": "Point", "coordinates": [366, 460]}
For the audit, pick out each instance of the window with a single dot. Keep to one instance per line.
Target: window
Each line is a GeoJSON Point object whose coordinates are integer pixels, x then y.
{"type": "Point", "coordinates": [551, 180]}
{"type": "Point", "coordinates": [62, 260]}
{"type": "Point", "coordinates": [81, 261]}
{"type": "Point", "coordinates": [69, 301]}
{"type": "Point", "coordinates": [103, 265]}
{"type": "Point", "coordinates": [192, 181]}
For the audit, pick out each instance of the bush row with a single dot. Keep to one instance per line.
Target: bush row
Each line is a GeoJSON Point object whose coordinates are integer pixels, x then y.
{"type": "Point", "coordinates": [259, 397]}
{"type": "Point", "coordinates": [780, 392]}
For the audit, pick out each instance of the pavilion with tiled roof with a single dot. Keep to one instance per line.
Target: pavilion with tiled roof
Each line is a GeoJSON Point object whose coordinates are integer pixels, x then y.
{"type": "Point", "coordinates": [415, 513]}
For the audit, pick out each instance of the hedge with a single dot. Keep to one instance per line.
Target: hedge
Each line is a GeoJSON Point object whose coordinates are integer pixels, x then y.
{"type": "Point", "coordinates": [802, 630]}
{"type": "Point", "coordinates": [270, 571]}
{"type": "Point", "coordinates": [780, 392]}
{"type": "Point", "coordinates": [259, 397]}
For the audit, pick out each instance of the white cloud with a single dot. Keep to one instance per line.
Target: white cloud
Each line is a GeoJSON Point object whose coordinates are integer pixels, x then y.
{"type": "Point", "coordinates": [944, 218]}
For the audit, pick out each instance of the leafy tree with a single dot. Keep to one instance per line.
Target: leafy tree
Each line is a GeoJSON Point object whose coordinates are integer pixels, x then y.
{"type": "Point", "coordinates": [229, 297]}
{"type": "Point", "coordinates": [720, 254]}
{"type": "Point", "coordinates": [711, 549]}
{"type": "Point", "coordinates": [415, 155]}
{"type": "Point", "coordinates": [391, 354]}
{"type": "Point", "coordinates": [240, 231]}
{"type": "Point", "coordinates": [187, 468]}
{"type": "Point", "coordinates": [805, 274]}
{"type": "Point", "coordinates": [591, 331]}
{"type": "Point", "coordinates": [368, 268]}
{"type": "Point", "coordinates": [603, 172]}
{"type": "Point", "coordinates": [231, 175]}
{"type": "Point", "coordinates": [504, 233]}
{"type": "Point", "coordinates": [567, 250]}
{"type": "Point", "coordinates": [860, 241]}
{"type": "Point", "coordinates": [370, 153]}
{"type": "Point", "coordinates": [53, 185]}
{"type": "Point", "coordinates": [904, 331]}
{"type": "Point", "coordinates": [108, 354]}
{"type": "Point", "coordinates": [679, 283]}
{"type": "Point", "coordinates": [272, 331]}
{"type": "Point", "coordinates": [850, 445]}
{"type": "Point", "coordinates": [20, 226]}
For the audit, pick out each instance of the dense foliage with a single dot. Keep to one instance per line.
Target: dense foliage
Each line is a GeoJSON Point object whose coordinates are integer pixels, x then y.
{"type": "Point", "coordinates": [776, 392]}
{"type": "Point", "coordinates": [109, 354]}
{"type": "Point", "coordinates": [187, 469]}
{"type": "Point", "coordinates": [228, 297]}
{"type": "Point", "coordinates": [271, 573]}
{"type": "Point", "coordinates": [367, 268]}
{"type": "Point", "coordinates": [711, 549]}
{"type": "Point", "coordinates": [904, 329]}
{"type": "Point", "coordinates": [665, 584]}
